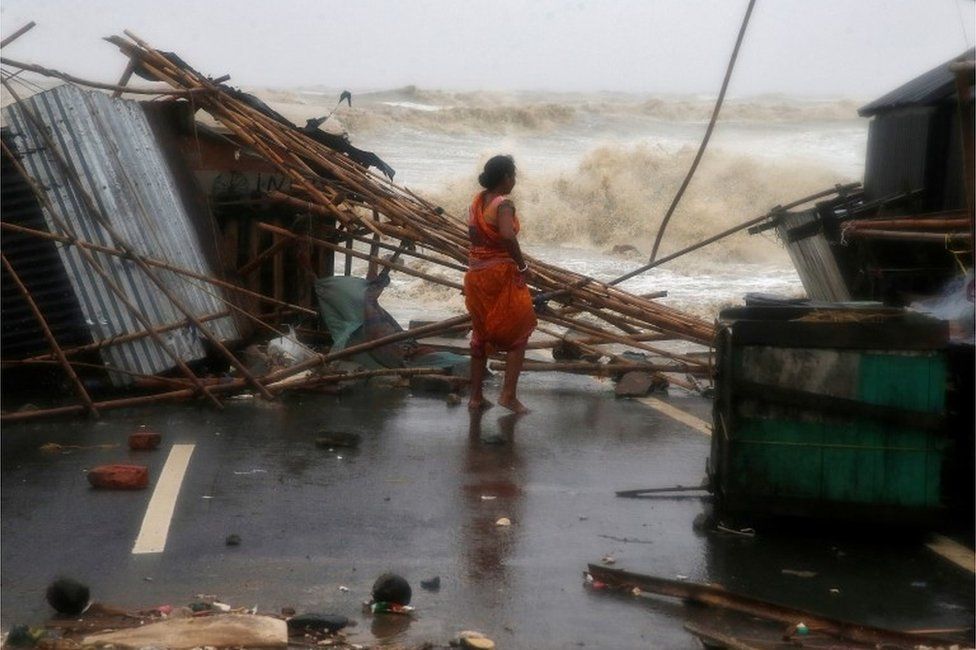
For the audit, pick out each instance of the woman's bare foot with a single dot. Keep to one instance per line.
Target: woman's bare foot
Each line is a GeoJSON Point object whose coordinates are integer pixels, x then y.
{"type": "Point", "coordinates": [479, 404]}
{"type": "Point", "coordinates": [513, 405]}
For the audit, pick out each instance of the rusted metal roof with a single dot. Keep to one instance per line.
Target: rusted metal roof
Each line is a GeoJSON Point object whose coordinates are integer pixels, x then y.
{"type": "Point", "coordinates": [934, 86]}
{"type": "Point", "coordinates": [111, 146]}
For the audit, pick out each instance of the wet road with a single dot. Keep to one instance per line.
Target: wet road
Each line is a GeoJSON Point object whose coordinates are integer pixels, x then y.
{"type": "Point", "coordinates": [411, 500]}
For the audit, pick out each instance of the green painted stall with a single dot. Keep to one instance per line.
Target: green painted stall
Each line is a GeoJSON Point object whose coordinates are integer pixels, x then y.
{"type": "Point", "coordinates": [836, 412]}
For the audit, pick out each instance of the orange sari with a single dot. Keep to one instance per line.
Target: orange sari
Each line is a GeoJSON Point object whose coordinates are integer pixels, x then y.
{"type": "Point", "coordinates": [495, 294]}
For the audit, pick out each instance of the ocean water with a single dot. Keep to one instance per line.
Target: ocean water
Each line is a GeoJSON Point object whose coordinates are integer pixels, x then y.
{"type": "Point", "coordinates": [599, 171]}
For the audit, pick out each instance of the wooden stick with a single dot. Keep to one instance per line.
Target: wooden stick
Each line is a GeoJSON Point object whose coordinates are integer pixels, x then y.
{"type": "Point", "coordinates": [124, 79]}
{"type": "Point", "coordinates": [47, 72]}
{"type": "Point", "coordinates": [125, 338]}
{"type": "Point", "coordinates": [270, 251]}
{"type": "Point", "coordinates": [364, 256]}
{"type": "Point", "coordinates": [51, 340]}
{"type": "Point", "coordinates": [609, 336]}
{"type": "Point", "coordinates": [600, 369]}
{"type": "Point", "coordinates": [17, 34]}
{"type": "Point", "coordinates": [715, 596]}
{"type": "Point", "coordinates": [237, 384]}
{"type": "Point", "coordinates": [591, 340]}
{"type": "Point", "coordinates": [95, 366]}
{"type": "Point", "coordinates": [901, 235]}
{"type": "Point", "coordinates": [166, 266]}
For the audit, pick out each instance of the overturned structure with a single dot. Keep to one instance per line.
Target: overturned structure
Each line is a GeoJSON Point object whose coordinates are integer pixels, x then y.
{"type": "Point", "coordinates": [149, 248]}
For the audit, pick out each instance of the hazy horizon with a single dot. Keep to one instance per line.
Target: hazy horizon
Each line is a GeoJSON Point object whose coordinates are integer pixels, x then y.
{"type": "Point", "coordinates": [832, 48]}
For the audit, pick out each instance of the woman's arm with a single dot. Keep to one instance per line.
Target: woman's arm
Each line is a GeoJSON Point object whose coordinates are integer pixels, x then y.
{"type": "Point", "coordinates": [506, 228]}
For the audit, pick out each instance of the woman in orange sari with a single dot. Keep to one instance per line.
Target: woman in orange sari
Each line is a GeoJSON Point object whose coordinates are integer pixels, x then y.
{"type": "Point", "coordinates": [495, 290]}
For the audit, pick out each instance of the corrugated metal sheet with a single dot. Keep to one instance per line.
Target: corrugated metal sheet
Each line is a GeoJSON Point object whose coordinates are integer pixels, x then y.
{"type": "Point", "coordinates": [37, 263]}
{"type": "Point", "coordinates": [813, 259]}
{"type": "Point", "coordinates": [110, 144]}
{"type": "Point", "coordinates": [930, 88]}
{"type": "Point", "coordinates": [897, 153]}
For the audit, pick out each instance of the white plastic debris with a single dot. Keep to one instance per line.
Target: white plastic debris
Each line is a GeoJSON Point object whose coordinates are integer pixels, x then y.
{"type": "Point", "coordinates": [287, 350]}
{"type": "Point", "coordinates": [504, 521]}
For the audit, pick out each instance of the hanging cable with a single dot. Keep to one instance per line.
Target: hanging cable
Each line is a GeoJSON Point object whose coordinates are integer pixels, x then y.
{"type": "Point", "coordinates": [708, 133]}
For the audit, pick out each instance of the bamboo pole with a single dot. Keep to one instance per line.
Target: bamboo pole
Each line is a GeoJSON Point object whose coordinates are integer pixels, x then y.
{"type": "Point", "coordinates": [52, 342]}
{"type": "Point", "coordinates": [47, 72]}
{"type": "Point", "coordinates": [125, 338]}
{"type": "Point", "coordinates": [907, 223]}
{"type": "Point", "coordinates": [365, 256]}
{"type": "Point", "coordinates": [597, 369]}
{"type": "Point", "coordinates": [17, 34]}
{"type": "Point", "coordinates": [911, 236]}
{"type": "Point", "coordinates": [314, 169]}
{"type": "Point", "coordinates": [609, 336]}
{"type": "Point", "coordinates": [166, 266]}
{"type": "Point", "coordinates": [237, 384]}
{"type": "Point", "coordinates": [270, 251]}
{"type": "Point", "coordinates": [95, 366]}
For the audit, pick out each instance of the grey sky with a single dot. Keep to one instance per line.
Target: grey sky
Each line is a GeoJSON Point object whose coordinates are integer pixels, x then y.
{"type": "Point", "coordinates": [854, 48]}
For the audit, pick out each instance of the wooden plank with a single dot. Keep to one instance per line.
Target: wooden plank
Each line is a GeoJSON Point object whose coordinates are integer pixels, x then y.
{"type": "Point", "coordinates": [715, 596]}
{"type": "Point", "coordinates": [953, 551]}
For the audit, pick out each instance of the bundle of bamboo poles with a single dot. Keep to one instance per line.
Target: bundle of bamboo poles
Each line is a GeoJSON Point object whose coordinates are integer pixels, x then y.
{"type": "Point", "coordinates": [329, 183]}
{"type": "Point", "coordinates": [370, 209]}
{"type": "Point", "coordinates": [938, 227]}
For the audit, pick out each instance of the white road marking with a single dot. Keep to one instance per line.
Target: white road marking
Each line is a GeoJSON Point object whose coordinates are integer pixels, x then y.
{"type": "Point", "coordinates": [687, 419]}
{"type": "Point", "coordinates": [954, 552]}
{"type": "Point", "coordinates": [159, 514]}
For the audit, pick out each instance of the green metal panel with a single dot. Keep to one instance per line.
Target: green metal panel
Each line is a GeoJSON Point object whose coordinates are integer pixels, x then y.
{"type": "Point", "coordinates": [909, 381]}
{"type": "Point", "coordinates": [816, 457]}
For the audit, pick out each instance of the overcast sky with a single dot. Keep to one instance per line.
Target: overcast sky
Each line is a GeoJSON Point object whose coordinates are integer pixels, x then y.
{"type": "Point", "coordinates": [857, 48]}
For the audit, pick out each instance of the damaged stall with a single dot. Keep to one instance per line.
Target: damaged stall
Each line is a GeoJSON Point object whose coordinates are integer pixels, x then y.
{"type": "Point", "coordinates": [909, 230]}
{"type": "Point", "coordinates": [855, 403]}
{"type": "Point", "coordinates": [247, 231]}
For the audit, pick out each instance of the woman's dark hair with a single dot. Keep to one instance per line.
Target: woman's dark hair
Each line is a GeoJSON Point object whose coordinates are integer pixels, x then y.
{"type": "Point", "coordinates": [496, 169]}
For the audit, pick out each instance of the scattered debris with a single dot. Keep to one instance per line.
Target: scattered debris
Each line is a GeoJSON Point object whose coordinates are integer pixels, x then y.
{"type": "Point", "coordinates": [119, 477]}
{"type": "Point", "coordinates": [474, 640]}
{"type": "Point", "coordinates": [504, 521]}
{"type": "Point", "coordinates": [431, 584]}
{"type": "Point", "coordinates": [609, 559]}
{"type": "Point", "coordinates": [716, 596]}
{"type": "Point", "coordinates": [741, 532]}
{"type": "Point", "coordinates": [68, 596]}
{"type": "Point", "coordinates": [392, 588]}
{"type": "Point", "coordinates": [144, 439]}
{"type": "Point", "coordinates": [332, 439]}
{"type": "Point", "coordinates": [445, 384]}
{"type": "Point", "coordinates": [638, 383]}
{"type": "Point", "coordinates": [331, 623]}
{"type": "Point", "coordinates": [798, 573]}
{"type": "Point", "coordinates": [233, 540]}
{"type": "Point", "coordinates": [453, 399]}
{"type": "Point", "coordinates": [220, 630]}
{"type": "Point", "coordinates": [56, 448]}
{"type": "Point", "coordinates": [23, 636]}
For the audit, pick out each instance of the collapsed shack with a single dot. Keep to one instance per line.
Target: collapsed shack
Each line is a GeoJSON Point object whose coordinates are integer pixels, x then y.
{"type": "Point", "coordinates": [909, 231]}
{"type": "Point", "coordinates": [143, 247]}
